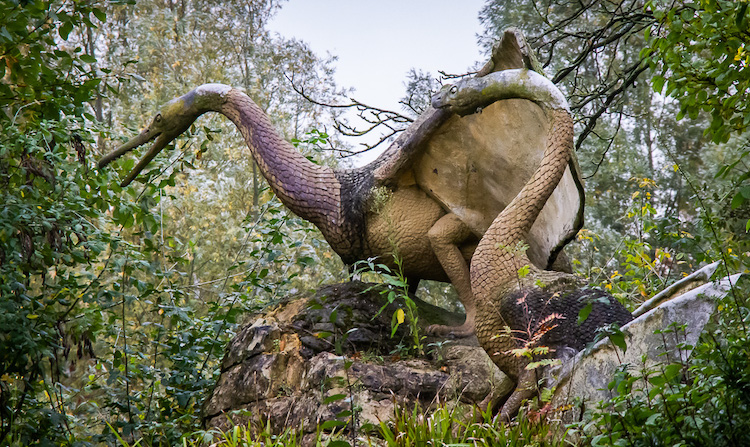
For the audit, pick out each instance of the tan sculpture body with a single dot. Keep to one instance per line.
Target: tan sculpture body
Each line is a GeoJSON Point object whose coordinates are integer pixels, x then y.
{"type": "Point", "coordinates": [429, 216]}
{"type": "Point", "coordinates": [534, 308]}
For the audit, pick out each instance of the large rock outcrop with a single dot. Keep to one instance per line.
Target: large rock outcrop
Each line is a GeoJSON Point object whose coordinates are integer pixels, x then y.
{"type": "Point", "coordinates": [283, 366]}
{"type": "Point", "coordinates": [660, 336]}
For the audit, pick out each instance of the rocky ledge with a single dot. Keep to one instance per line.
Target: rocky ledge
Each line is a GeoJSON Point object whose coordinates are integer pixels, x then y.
{"type": "Point", "coordinates": [315, 356]}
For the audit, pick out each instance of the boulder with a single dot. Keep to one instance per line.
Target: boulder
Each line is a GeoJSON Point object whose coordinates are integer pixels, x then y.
{"type": "Point", "coordinates": [314, 356]}
{"type": "Point", "coordinates": [658, 337]}
{"type": "Point", "coordinates": [317, 355]}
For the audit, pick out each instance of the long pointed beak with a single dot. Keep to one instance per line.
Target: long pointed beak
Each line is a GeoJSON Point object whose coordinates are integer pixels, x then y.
{"type": "Point", "coordinates": [142, 138]}
{"type": "Point", "coordinates": [159, 144]}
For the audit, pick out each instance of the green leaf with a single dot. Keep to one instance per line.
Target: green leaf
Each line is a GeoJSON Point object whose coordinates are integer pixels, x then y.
{"type": "Point", "coordinates": [737, 200]}
{"type": "Point", "coordinates": [618, 339]}
{"type": "Point", "coordinates": [672, 371]}
{"type": "Point", "coordinates": [584, 313]}
{"type": "Point", "coordinates": [333, 316]}
{"type": "Point", "coordinates": [542, 363]}
{"type": "Point", "coordinates": [524, 271]}
{"type": "Point", "coordinates": [327, 425]}
{"type": "Point", "coordinates": [394, 324]}
{"type": "Point", "coordinates": [391, 296]}
{"type": "Point", "coordinates": [741, 19]}
{"type": "Point", "coordinates": [658, 83]}
{"type": "Point", "coordinates": [334, 398]}
{"type": "Point", "coordinates": [65, 30]}
{"type": "Point", "coordinates": [99, 14]}
{"type": "Point", "coordinates": [652, 419]}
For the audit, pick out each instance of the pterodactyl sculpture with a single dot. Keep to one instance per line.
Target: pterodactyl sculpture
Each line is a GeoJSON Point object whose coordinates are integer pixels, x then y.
{"type": "Point", "coordinates": [436, 207]}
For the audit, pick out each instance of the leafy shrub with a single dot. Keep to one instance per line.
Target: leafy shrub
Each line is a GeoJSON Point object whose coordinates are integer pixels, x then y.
{"type": "Point", "coordinates": [701, 401]}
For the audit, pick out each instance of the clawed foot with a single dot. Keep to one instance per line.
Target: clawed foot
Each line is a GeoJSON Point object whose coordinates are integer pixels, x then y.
{"type": "Point", "coordinates": [465, 330]}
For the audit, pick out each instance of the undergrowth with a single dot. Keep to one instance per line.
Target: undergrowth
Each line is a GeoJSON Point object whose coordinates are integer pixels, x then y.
{"type": "Point", "coordinates": [446, 427]}
{"type": "Point", "coordinates": [700, 401]}
{"type": "Point", "coordinates": [443, 426]}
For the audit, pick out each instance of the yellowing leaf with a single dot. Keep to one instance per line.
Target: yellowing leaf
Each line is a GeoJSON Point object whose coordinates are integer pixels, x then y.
{"type": "Point", "coordinates": [648, 183]}
{"type": "Point", "coordinates": [400, 316]}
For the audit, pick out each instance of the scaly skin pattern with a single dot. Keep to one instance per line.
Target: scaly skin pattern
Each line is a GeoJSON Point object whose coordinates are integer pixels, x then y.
{"type": "Point", "coordinates": [509, 305]}
{"type": "Point", "coordinates": [310, 191]}
{"type": "Point", "coordinates": [339, 203]}
{"type": "Point", "coordinates": [433, 242]}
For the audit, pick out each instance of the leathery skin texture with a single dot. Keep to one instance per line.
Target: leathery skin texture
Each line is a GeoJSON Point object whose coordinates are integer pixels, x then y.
{"type": "Point", "coordinates": [512, 309]}
{"type": "Point", "coordinates": [534, 317]}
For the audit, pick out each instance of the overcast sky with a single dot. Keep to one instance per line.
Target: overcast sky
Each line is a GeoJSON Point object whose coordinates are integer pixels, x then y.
{"type": "Point", "coordinates": [377, 42]}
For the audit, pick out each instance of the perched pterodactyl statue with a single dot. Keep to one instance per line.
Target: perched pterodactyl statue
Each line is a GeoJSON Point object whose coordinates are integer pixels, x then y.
{"type": "Point", "coordinates": [445, 179]}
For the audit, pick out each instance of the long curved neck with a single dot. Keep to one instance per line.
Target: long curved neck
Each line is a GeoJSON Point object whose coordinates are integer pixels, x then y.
{"type": "Point", "coordinates": [309, 190]}
{"type": "Point", "coordinates": [497, 258]}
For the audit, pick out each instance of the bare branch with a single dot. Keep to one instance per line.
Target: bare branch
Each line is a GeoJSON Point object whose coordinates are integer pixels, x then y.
{"type": "Point", "coordinates": [610, 142]}
{"type": "Point", "coordinates": [375, 117]}
{"type": "Point", "coordinates": [611, 97]}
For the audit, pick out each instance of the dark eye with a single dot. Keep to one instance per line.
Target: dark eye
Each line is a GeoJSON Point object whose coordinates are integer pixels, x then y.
{"type": "Point", "coordinates": [157, 118]}
{"type": "Point", "coordinates": [454, 89]}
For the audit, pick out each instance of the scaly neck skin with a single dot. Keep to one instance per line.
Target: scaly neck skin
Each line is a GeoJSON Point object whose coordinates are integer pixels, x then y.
{"type": "Point", "coordinates": [310, 191]}
{"type": "Point", "coordinates": [494, 269]}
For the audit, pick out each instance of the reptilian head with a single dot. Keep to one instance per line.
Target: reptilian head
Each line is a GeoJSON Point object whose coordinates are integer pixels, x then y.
{"type": "Point", "coordinates": [458, 98]}
{"type": "Point", "coordinates": [472, 94]}
{"type": "Point", "coordinates": [173, 119]}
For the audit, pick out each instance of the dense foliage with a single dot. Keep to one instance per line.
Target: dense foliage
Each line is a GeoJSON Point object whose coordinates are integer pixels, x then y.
{"type": "Point", "coordinates": [116, 302]}
{"type": "Point", "coordinates": [51, 208]}
{"type": "Point", "coordinates": [700, 52]}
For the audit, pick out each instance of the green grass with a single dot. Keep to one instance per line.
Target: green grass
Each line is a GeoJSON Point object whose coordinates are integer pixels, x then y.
{"type": "Point", "coordinates": [442, 427]}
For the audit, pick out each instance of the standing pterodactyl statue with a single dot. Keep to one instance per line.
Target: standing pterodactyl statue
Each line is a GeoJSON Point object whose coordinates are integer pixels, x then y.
{"type": "Point", "coordinates": [428, 219]}
{"type": "Point", "coordinates": [533, 308]}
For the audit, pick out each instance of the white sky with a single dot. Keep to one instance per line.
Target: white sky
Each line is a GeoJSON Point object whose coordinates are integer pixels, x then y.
{"type": "Point", "coordinates": [377, 42]}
